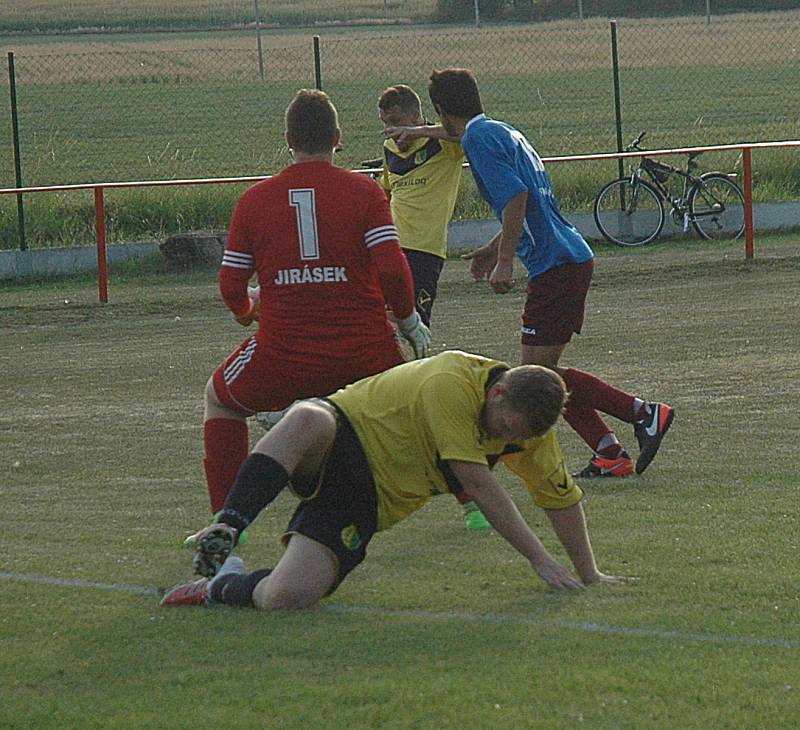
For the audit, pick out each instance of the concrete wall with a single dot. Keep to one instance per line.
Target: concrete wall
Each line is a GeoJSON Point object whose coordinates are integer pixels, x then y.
{"type": "Point", "coordinates": [44, 262]}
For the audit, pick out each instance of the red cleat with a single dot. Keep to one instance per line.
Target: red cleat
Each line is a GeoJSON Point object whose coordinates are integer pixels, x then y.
{"type": "Point", "coordinates": [650, 432]}
{"type": "Point", "coordinates": [188, 594]}
{"type": "Point", "coordinates": [600, 466]}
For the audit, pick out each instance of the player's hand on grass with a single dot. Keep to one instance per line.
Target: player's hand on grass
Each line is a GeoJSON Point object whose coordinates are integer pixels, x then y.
{"type": "Point", "coordinates": [502, 277]}
{"type": "Point", "coordinates": [254, 294]}
{"type": "Point", "coordinates": [483, 260]}
{"type": "Point", "coordinates": [556, 575]}
{"type": "Point", "coordinates": [417, 334]}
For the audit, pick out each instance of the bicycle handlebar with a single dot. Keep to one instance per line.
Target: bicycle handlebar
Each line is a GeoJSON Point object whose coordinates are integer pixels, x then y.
{"type": "Point", "coordinates": [635, 144]}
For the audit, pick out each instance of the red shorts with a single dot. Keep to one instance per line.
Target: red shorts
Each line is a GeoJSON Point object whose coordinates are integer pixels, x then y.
{"type": "Point", "coordinates": [253, 378]}
{"type": "Point", "coordinates": [556, 304]}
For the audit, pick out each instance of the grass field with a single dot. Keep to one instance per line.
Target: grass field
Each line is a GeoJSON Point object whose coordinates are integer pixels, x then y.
{"type": "Point", "coordinates": [153, 106]}
{"type": "Point", "coordinates": [101, 476]}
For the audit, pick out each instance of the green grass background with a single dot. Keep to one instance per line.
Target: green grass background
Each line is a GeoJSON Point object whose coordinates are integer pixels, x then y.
{"type": "Point", "coordinates": [101, 476]}
{"type": "Point", "coordinates": [170, 106]}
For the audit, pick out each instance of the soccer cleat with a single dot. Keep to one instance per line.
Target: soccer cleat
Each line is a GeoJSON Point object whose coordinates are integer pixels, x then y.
{"type": "Point", "coordinates": [198, 592]}
{"type": "Point", "coordinates": [191, 541]}
{"type": "Point", "coordinates": [600, 466]}
{"type": "Point", "coordinates": [650, 431]}
{"type": "Point", "coordinates": [474, 519]}
{"type": "Point", "coordinates": [213, 548]}
{"type": "Point", "coordinates": [188, 594]}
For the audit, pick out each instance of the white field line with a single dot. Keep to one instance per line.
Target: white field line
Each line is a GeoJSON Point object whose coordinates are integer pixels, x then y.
{"type": "Point", "coordinates": [489, 618]}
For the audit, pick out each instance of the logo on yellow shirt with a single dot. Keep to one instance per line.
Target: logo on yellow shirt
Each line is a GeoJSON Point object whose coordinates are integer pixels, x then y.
{"type": "Point", "coordinates": [350, 537]}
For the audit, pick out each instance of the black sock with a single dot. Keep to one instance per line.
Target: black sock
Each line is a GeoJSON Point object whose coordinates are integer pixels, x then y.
{"type": "Point", "coordinates": [236, 589]}
{"type": "Point", "coordinates": [259, 481]}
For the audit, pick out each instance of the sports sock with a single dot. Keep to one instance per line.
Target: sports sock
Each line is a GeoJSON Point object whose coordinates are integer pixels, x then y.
{"type": "Point", "coordinates": [589, 392]}
{"type": "Point", "coordinates": [226, 447]}
{"type": "Point", "coordinates": [259, 481]}
{"type": "Point", "coordinates": [609, 447]}
{"type": "Point", "coordinates": [641, 410]}
{"type": "Point", "coordinates": [237, 589]}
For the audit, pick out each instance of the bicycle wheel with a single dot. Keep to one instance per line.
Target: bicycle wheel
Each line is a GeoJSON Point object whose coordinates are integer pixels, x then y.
{"type": "Point", "coordinates": [629, 215]}
{"type": "Point", "coordinates": [716, 207]}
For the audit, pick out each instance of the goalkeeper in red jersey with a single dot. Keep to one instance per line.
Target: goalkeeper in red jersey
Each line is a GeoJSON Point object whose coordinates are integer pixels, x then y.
{"type": "Point", "coordinates": [323, 245]}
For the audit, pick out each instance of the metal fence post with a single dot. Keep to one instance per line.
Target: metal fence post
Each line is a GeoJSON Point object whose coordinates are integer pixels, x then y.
{"type": "Point", "coordinates": [102, 250]}
{"type": "Point", "coordinates": [317, 64]}
{"type": "Point", "coordinates": [747, 169]}
{"type": "Point", "coordinates": [580, 9]}
{"type": "Point", "coordinates": [477, 14]}
{"type": "Point", "coordinates": [12, 82]}
{"type": "Point", "coordinates": [258, 42]}
{"type": "Point", "coordinates": [617, 101]}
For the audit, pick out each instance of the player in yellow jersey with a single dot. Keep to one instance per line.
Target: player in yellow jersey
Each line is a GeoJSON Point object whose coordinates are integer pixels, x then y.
{"type": "Point", "coordinates": [371, 454]}
{"type": "Point", "coordinates": [420, 176]}
{"type": "Point", "coordinates": [421, 172]}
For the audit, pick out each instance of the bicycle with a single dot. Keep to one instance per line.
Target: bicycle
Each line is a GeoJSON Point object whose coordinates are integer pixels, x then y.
{"type": "Point", "coordinates": [630, 211]}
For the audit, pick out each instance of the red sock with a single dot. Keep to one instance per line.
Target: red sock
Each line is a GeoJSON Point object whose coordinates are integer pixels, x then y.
{"type": "Point", "coordinates": [588, 391]}
{"type": "Point", "coordinates": [463, 497]}
{"type": "Point", "coordinates": [586, 422]}
{"type": "Point", "coordinates": [226, 448]}
{"type": "Point", "coordinates": [610, 452]}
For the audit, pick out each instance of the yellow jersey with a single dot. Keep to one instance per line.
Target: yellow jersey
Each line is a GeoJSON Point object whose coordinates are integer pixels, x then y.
{"type": "Point", "coordinates": [423, 182]}
{"type": "Point", "coordinates": [414, 417]}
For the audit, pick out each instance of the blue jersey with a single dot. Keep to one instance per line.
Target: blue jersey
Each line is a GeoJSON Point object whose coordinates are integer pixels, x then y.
{"type": "Point", "coordinates": [504, 165]}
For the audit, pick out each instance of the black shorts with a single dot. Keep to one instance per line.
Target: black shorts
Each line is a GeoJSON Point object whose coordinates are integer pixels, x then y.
{"type": "Point", "coordinates": [426, 268]}
{"type": "Point", "coordinates": [342, 514]}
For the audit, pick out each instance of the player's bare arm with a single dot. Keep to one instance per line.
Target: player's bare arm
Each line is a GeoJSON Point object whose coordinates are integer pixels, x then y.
{"type": "Point", "coordinates": [504, 516]}
{"type": "Point", "coordinates": [570, 527]}
{"type": "Point", "coordinates": [483, 259]}
{"type": "Point", "coordinates": [404, 134]}
{"type": "Point", "coordinates": [502, 276]}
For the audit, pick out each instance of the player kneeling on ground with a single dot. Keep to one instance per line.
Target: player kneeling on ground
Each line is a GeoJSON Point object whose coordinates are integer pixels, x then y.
{"type": "Point", "coordinates": [369, 455]}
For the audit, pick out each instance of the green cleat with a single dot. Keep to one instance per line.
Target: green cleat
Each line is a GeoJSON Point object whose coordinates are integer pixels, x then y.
{"type": "Point", "coordinates": [474, 519]}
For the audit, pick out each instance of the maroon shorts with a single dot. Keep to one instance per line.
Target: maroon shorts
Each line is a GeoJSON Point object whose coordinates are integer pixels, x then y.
{"type": "Point", "coordinates": [254, 379]}
{"type": "Point", "coordinates": [556, 304]}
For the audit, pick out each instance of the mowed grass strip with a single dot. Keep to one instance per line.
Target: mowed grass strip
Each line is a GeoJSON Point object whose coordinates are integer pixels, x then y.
{"type": "Point", "coordinates": [101, 469]}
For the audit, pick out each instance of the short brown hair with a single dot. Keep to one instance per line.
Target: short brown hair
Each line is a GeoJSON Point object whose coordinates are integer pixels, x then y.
{"type": "Point", "coordinates": [400, 97]}
{"type": "Point", "coordinates": [537, 393]}
{"type": "Point", "coordinates": [312, 121]}
{"type": "Point", "coordinates": [455, 91]}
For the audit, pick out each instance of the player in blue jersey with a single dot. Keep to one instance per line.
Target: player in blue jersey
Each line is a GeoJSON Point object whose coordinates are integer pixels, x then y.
{"type": "Point", "coordinates": [559, 263]}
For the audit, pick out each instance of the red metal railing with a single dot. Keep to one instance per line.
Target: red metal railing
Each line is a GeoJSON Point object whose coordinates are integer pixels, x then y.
{"type": "Point", "coordinates": [100, 188]}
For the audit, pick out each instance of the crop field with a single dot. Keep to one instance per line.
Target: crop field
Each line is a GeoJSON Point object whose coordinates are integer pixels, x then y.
{"type": "Point", "coordinates": [101, 477]}
{"type": "Point", "coordinates": [128, 107]}
{"type": "Point", "coordinates": [38, 15]}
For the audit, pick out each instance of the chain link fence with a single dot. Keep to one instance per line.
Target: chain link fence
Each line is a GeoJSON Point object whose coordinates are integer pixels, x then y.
{"type": "Point", "coordinates": [172, 110]}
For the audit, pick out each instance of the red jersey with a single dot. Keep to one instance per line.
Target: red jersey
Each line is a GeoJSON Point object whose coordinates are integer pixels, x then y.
{"type": "Point", "coordinates": [316, 234]}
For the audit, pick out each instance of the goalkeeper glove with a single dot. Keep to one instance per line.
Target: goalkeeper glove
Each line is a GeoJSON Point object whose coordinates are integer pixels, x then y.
{"type": "Point", "coordinates": [415, 331]}
{"type": "Point", "coordinates": [254, 295]}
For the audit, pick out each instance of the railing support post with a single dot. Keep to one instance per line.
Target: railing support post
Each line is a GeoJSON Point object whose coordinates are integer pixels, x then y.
{"type": "Point", "coordinates": [100, 230]}
{"type": "Point", "coordinates": [747, 167]}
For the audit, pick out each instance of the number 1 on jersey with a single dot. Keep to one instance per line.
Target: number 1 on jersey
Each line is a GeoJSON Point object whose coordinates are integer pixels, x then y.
{"type": "Point", "coordinates": [305, 207]}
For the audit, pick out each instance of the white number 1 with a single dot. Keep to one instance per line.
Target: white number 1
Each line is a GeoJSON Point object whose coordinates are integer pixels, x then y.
{"type": "Point", "coordinates": [304, 202]}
